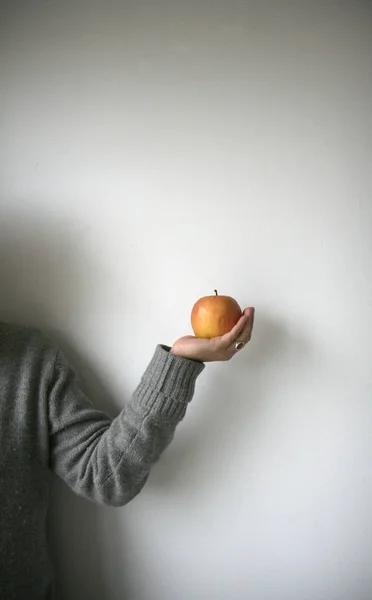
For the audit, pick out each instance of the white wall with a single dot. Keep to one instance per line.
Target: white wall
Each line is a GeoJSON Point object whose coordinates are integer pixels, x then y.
{"type": "Point", "coordinates": [150, 152]}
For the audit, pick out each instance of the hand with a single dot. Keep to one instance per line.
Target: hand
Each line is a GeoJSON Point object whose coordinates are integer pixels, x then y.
{"type": "Point", "coordinates": [220, 348]}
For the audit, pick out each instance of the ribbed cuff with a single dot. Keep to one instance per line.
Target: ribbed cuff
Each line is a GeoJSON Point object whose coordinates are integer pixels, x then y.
{"type": "Point", "coordinates": [168, 383]}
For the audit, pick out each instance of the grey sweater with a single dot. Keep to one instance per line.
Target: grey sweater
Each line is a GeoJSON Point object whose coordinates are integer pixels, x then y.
{"type": "Point", "coordinates": [47, 421]}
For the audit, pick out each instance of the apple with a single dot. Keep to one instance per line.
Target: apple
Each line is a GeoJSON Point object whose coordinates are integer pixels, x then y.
{"type": "Point", "coordinates": [212, 316]}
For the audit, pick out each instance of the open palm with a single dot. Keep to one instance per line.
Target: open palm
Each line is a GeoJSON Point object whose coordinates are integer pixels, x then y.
{"type": "Point", "coordinates": [220, 348]}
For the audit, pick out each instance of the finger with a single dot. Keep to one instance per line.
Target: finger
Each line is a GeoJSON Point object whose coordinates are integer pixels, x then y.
{"type": "Point", "coordinates": [246, 334]}
{"type": "Point", "coordinates": [243, 335]}
{"type": "Point", "coordinates": [234, 333]}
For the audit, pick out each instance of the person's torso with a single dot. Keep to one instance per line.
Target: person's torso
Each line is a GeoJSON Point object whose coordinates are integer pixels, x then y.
{"type": "Point", "coordinates": [25, 570]}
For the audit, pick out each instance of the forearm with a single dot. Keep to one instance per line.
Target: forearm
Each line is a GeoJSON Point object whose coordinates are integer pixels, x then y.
{"type": "Point", "coordinates": [109, 461]}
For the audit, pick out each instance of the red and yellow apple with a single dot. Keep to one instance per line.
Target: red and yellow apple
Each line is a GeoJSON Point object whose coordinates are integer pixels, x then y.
{"type": "Point", "coordinates": [213, 316]}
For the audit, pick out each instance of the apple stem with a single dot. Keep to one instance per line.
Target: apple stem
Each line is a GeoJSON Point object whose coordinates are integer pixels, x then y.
{"type": "Point", "coordinates": [215, 291]}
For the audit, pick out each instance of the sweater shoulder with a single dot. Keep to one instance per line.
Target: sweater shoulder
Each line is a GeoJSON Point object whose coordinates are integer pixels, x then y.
{"type": "Point", "coordinates": [22, 338]}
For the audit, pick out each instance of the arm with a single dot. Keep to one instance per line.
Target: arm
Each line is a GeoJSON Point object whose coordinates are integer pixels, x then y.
{"type": "Point", "coordinates": [109, 460]}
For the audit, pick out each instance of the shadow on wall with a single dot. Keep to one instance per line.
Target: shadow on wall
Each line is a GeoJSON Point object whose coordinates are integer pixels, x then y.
{"type": "Point", "coordinates": [44, 278]}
